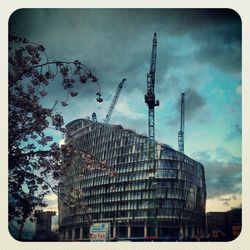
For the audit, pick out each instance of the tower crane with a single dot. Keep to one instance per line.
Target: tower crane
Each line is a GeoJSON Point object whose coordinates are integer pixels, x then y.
{"type": "Point", "coordinates": [181, 132]}
{"type": "Point", "coordinates": [181, 147]}
{"type": "Point", "coordinates": [150, 96]}
{"type": "Point", "coordinates": [152, 103]}
{"type": "Point", "coordinates": [114, 101]}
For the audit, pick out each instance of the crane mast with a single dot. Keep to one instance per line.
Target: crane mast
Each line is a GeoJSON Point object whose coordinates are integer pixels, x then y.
{"type": "Point", "coordinates": [181, 132]}
{"type": "Point", "coordinates": [152, 103]}
{"type": "Point", "coordinates": [150, 96]}
{"type": "Point", "coordinates": [114, 101]}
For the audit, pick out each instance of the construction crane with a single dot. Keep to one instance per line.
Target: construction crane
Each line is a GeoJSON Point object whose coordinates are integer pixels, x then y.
{"type": "Point", "coordinates": [181, 132]}
{"type": "Point", "coordinates": [114, 101]}
{"type": "Point", "coordinates": [150, 96]}
{"type": "Point", "coordinates": [152, 103]}
{"type": "Point", "coordinates": [181, 147]}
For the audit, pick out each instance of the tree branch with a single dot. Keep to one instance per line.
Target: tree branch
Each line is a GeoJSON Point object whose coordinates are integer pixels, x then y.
{"type": "Point", "coordinates": [32, 153]}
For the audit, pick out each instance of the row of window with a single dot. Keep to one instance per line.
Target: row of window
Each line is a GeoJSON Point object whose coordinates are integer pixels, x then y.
{"type": "Point", "coordinates": [125, 193]}
{"type": "Point", "coordinates": [118, 138]}
{"type": "Point", "coordinates": [136, 173]}
{"type": "Point", "coordinates": [137, 176]}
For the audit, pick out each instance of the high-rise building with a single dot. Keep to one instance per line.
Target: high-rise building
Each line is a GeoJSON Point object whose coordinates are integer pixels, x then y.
{"type": "Point", "coordinates": [43, 226]}
{"type": "Point", "coordinates": [125, 199]}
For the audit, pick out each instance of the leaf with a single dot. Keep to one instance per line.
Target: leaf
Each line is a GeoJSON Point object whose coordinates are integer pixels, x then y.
{"type": "Point", "coordinates": [31, 146]}
{"type": "Point", "coordinates": [41, 48]}
{"type": "Point", "coordinates": [45, 187]}
{"type": "Point", "coordinates": [48, 75]}
{"type": "Point", "coordinates": [64, 104]}
{"type": "Point", "coordinates": [32, 182]}
{"type": "Point", "coordinates": [31, 89]}
{"type": "Point", "coordinates": [35, 82]}
{"type": "Point", "coordinates": [31, 49]}
{"type": "Point", "coordinates": [73, 94]}
{"type": "Point", "coordinates": [49, 138]}
{"type": "Point", "coordinates": [43, 93]}
{"type": "Point", "coordinates": [83, 79]}
{"type": "Point", "coordinates": [39, 181]}
{"type": "Point", "coordinates": [94, 79]}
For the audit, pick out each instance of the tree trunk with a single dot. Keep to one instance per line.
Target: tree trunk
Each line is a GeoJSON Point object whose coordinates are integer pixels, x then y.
{"type": "Point", "coordinates": [21, 231]}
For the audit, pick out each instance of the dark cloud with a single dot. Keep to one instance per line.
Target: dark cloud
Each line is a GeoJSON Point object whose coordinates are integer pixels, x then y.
{"type": "Point", "coordinates": [236, 132]}
{"type": "Point", "coordinates": [233, 197]}
{"type": "Point", "coordinates": [138, 124]}
{"type": "Point", "coordinates": [195, 19]}
{"type": "Point", "coordinates": [194, 105]}
{"type": "Point", "coordinates": [193, 102]}
{"type": "Point", "coordinates": [116, 44]}
{"type": "Point", "coordinates": [221, 56]}
{"type": "Point", "coordinates": [224, 199]}
{"type": "Point", "coordinates": [222, 153]}
{"type": "Point", "coordinates": [203, 155]}
{"type": "Point", "coordinates": [223, 176]}
{"type": "Point", "coordinates": [173, 122]}
{"type": "Point", "coordinates": [218, 33]}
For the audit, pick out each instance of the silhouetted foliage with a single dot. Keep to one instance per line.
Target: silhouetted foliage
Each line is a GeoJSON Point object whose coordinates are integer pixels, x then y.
{"type": "Point", "coordinates": [35, 161]}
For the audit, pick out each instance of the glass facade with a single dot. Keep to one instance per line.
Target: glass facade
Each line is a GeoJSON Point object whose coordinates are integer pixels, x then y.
{"type": "Point", "coordinates": [125, 199]}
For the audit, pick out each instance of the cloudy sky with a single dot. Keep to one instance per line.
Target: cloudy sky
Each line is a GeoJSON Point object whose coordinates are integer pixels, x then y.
{"type": "Point", "coordinates": [199, 53]}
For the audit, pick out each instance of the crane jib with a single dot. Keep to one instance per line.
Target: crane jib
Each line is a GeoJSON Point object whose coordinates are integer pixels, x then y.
{"type": "Point", "coordinates": [114, 101]}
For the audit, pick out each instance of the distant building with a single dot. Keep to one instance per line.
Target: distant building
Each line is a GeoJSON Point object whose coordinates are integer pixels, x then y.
{"type": "Point", "coordinates": [125, 200]}
{"type": "Point", "coordinates": [224, 226]}
{"type": "Point", "coordinates": [43, 226]}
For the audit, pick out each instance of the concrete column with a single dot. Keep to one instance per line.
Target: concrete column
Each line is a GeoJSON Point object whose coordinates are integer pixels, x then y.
{"type": "Point", "coordinates": [114, 230]}
{"type": "Point", "coordinates": [61, 236]}
{"type": "Point", "coordinates": [186, 232]}
{"type": "Point", "coordinates": [145, 229]}
{"type": "Point", "coordinates": [181, 233]}
{"type": "Point", "coordinates": [203, 231]}
{"type": "Point", "coordinates": [81, 233]}
{"type": "Point", "coordinates": [198, 231]}
{"type": "Point", "coordinates": [73, 233]}
{"type": "Point", "coordinates": [193, 234]}
{"type": "Point", "coordinates": [66, 235]}
{"type": "Point", "coordinates": [129, 231]}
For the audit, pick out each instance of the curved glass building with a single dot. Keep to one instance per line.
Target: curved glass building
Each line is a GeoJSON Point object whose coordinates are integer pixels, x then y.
{"type": "Point", "coordinates": [177, 195]}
